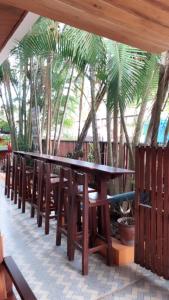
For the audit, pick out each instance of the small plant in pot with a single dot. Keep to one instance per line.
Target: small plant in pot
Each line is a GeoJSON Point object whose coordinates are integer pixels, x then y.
{"type": "Point", "coordinates": [126, 226]}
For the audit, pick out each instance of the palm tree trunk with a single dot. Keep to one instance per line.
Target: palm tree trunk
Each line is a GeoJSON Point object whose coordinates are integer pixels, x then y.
{"type": "Point", "coordinates": [64, 111]}
{"type": "Point", "coordinates": [6, 81]}
{"type": "Point", "coordinates": [142, 111]}
{"type": "Point", "coordinates": [166, 132]}
{"type": "Point", "coordinates": [132, 164]}
{"type": "Point", "coordinates": [56, 124]}
{"type": "Point", "coordinates": [48, 96]}
{"type": "Point", "coordinates": [96, 145]}
{"type": "Point", "coordinates": [56, 112]}
{"type": "Point", "coordinates": [115, 134]}
{"type": "Point", "coordinates": [160, 98]}
{"type": "Point", "coordinates": [82, 136]}
{"type": "Point", "coordinates": [109, 141]}
{"type": "Point", "coordinates": [80, 105]}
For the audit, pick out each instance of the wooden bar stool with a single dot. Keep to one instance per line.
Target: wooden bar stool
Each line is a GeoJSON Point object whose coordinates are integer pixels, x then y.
{"type": "Point", "coordinates": [25, 184]}
{"type": "Point", "coordinates": [47, 195]}
{"type": "Point", "coordinates": [34, 199]}
{"type": "Point", "coordinates": [8, 175]}
{"type": "Point", "coordinates": [84, 240]}
{"type": "Point", "coordinates": [14, 167]}
{"type": "Point", "coordinates": [64, 205]}
{"type": "Point", "coordinates": [16, 177]}
{"type": "Point", "coordinates": [36, 185]}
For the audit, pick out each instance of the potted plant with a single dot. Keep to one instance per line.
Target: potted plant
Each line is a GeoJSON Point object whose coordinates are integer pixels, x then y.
{"type": "Point", "coordinates": [126, 223]}
{"type": "Point", "coordinates": [127, 230]}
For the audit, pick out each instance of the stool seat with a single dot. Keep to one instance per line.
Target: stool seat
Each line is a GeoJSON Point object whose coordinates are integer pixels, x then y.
{"type": "Point", "coordinates": [29, 172]}
{"type": "Point", "coordinates": [52, 175]}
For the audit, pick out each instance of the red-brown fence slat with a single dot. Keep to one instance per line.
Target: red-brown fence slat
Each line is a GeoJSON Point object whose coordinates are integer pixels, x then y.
{"type": "Point", "coordinates": [153, 207]}
{"type": "Point", "coordinates": [147, 208]}
{"type": "Point", "coordinates": [165, 261]}
{"type": "Point", "coordinates": [141, 208]}
{"type": "Point", "coordinates": [137, 203]}
{"type": "Point", "coordinates": [159, 211]}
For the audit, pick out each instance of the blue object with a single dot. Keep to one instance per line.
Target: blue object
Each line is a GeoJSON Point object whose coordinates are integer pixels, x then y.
{"type": "Point", "coordinates": [161, 131]}
{"type": "Point", "coordinates": [121, 197]}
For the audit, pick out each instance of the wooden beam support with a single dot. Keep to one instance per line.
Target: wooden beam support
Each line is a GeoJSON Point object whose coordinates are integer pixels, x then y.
{"type": "Point", "coordinates": [143, 24]}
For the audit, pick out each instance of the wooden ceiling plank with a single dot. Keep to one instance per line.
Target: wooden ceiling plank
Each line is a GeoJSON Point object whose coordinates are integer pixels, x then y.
{"type": "Point", "coordinates": [125, 19]}
{"type": "Point", "coordinates": [10, 18]}
{"type": "Point", "coordinates": [86, 21]}
{"type": "Point", "coordinates": [146, 9]}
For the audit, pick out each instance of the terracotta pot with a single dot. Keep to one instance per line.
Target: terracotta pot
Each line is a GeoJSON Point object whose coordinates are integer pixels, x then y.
{"type": "Point", "coordinates": [126, 230]}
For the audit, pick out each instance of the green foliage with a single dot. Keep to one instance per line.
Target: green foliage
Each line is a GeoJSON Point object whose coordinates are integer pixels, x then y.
{"type": "Point", "coordinates": [125, 65]}
{"type": "Point", "coordinates": [4, 125]}
{"type": "Point", "coordinates": [82, 48]}
{"type": "Point", "coordinates": [148, 82]}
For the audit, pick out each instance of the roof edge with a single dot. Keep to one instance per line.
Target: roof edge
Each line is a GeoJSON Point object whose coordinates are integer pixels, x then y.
{"type": "Point", "coordinates": [24, 26]}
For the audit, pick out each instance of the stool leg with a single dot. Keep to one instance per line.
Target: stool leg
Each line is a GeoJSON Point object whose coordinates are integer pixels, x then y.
{"type": "Point", "coordinates": [93, 225]}
{"type": "Point", "coordinates": [13, 179]}
{"type": "Point", "coordinates": [59, 219]}
{"type": "Point", "coordinates": [24, 187]}
{"type": "Point", "coordinates": [39, 216]}
{"type": "Point", "coordinates": [108, 234]}
{"type": "Point", "coordinates": [15, 190]}
{"type": "Point", "coordinates": [15, 184]}
{"type": "Point", "coordinates": [34, 187]}
{"type": "Point", "coordinates": [6, 175]}
{"type": "Point", "coordinates": [8, 180]}
{"type": "Point", "coordinates": [47, 209]}
{"type": "Point", "coordinates": [85, 246]}
{"type": "Point", "coordinates": [13, 176]}
{"type": "Point", "coordinates": [40, 197]}
{"type": "Point", "coordinates": [72, 230]}
{"type": "Point", "coordinates": [20, 187]}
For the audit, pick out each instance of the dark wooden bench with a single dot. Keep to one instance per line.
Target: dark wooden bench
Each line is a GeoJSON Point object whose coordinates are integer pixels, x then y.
{"type": "Point", "coordinates": [17, 279]}
{"type": "Point", "coordinates": [129, 196]}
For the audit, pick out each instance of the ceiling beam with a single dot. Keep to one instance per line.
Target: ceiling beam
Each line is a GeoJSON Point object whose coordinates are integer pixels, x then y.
{"type": "Point", "coordinates": [19, 33]}
{"type": "Point", "coordinates": [143, 24]}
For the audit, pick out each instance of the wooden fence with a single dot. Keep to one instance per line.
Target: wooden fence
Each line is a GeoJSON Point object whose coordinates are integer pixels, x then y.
{"type": "Point", "coordinates": [123, 160]}
{"type": "Point", "coordinates": [69, 146]}
{"type": "Point", "coordinates": [152, 209]}
{"type": "Point", "coordinates": [121, 183]}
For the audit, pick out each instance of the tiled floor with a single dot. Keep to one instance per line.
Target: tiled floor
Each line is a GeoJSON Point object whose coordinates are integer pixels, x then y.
{"type": "Point", "coordinates": [53, 277]}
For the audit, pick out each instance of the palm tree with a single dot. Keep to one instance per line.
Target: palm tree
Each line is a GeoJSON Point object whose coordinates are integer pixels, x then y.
{"type": "Point", "coordinates": [124, 68]}
{"type": "Point", "coordinates": [161, 97]}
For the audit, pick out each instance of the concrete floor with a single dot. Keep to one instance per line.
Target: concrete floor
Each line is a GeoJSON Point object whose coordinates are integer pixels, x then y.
{"type": "Point", "coordinates": [53, 277]}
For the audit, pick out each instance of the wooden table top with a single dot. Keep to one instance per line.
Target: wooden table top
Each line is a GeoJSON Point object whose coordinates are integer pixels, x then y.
{"type": "Point", "coordinates": [78, 164]}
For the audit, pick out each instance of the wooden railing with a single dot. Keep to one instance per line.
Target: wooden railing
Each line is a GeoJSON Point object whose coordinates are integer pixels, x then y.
{"type": "Point", "coordinates": [152, 209]}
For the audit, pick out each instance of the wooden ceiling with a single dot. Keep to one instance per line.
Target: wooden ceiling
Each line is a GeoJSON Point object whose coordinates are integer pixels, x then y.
{"type": "Point", "coordinates": [141, 23]}
{"type": "Point", "coordinates": [10, 18]}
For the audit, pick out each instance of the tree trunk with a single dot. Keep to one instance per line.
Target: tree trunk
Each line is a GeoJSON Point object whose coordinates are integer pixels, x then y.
{"type": "Point", "coordinates": [121, 147]}
{"type": "Point", "coordinates": [96, 145]}
{"type": "Point", "coordinates": [80, 105]}
{"type": "Point", "coordinates": [48, 101]}
{"type": "Point", "coordinates": [56, 124]}
{"type": "Point", "coordinates": [109, 141]}
{"type": "Point", "coordinates": [115, 135]}
{"type": "Point", "coordinates": [6, 81]}
{"type": "Point", "coordinates": [99, 98]}
{"type": "Point", "coordinates": [160, 98]}
{"type": "Point", "coordinates": [166, 132]}
{"type": "Point", "coordinates": [56, 112]}
{"type": "Point", "coordinates": [143, 106]}
{"type": "Point", "coordinates": [132, 164]}
{"type": "Point", "coordinates": [24, 100]}
{"type": "Point", "coordinates": [64, 111]}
